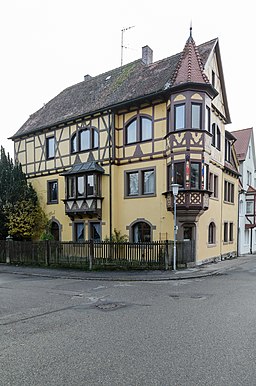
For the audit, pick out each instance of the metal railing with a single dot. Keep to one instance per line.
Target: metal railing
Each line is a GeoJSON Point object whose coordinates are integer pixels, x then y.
{"type": "Point", "coordinates": [93, 255]}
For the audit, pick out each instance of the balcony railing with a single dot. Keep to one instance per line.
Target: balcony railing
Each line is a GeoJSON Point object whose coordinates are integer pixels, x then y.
{"type": "Point", "coordinates": [189, 200]}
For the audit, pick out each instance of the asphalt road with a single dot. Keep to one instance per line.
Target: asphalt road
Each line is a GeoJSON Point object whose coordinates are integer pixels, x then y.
{"type": "Point", "coordinates": [77, 332]}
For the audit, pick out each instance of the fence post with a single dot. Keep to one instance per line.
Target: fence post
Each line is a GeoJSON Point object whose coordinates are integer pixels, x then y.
{"type": "Point", "coordinates": [166, 256]}
{"type": "Point", "coordinates": [9, 240]}
{"type": "Point", "coordinates": [91, 254]}
{"type": "Point", "coordinates": [47, 252]}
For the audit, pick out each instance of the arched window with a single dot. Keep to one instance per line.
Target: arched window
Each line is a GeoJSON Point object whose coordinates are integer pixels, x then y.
{"type": "Point", "coordinates": [139, 130]}
{"type": "Point", "coordinates": [141, 232]}
{"type": "Point", "coordinates": [55, 230]}
{"type": "Point", "coordinates": [73, 143]}
{"type": "Point", "coordinates": [85, 140]}
{"type": "Point", "coordinates": [212, 233]}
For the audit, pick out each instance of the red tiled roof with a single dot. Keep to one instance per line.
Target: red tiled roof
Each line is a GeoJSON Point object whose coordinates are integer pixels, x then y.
{"type": "Point", "coordinates": [190, 66]}
{"type": "Point", "coordinates": [242, 142]}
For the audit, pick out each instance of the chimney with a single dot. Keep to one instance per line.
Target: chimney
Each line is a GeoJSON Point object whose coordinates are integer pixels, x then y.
{"type": "Point", "coordinates": [147, 55]}
{"type": "Point", "coordinates": [87, 77]}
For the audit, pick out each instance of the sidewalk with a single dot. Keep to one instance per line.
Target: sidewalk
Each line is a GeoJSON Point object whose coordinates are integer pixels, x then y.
{"type": "Point", "coordinates": [145, 275]}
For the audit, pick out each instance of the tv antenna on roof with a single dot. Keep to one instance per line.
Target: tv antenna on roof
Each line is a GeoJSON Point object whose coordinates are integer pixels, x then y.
{"type": "Point", "coordinates": [122, 42]}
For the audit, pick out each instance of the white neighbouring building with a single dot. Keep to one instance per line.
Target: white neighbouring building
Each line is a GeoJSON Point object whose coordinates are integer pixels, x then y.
{"type": "Point", "coordinates": [245, 150]}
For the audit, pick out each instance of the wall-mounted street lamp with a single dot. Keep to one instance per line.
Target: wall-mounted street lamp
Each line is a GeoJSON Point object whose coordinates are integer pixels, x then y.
{"type": "Point", "coordinates": [175, 191]}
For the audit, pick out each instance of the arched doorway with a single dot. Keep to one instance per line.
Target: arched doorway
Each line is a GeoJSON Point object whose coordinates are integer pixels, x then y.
{"type": "Point", "coordinates": [55, 230]}
{"type": "Point", "coordinates": [141, 232]}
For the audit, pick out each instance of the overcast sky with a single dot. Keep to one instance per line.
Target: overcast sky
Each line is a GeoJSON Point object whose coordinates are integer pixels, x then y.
{"type": "Point", "coordinates": [48, 45]}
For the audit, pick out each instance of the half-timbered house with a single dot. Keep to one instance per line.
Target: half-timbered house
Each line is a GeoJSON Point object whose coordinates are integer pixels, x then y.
{"type": "Point", "coordinates": [104, 152]}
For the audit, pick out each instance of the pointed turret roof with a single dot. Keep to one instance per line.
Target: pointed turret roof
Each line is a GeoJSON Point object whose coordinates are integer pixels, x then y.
{"type": "Point", "coordinates": [190, 66]}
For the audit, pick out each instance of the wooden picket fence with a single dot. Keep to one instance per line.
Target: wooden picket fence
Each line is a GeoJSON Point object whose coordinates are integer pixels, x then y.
{"type": "Point", "coordinates": [92, 255]}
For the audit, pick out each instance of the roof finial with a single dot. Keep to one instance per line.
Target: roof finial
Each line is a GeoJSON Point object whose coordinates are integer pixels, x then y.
{"type": "Point", "coordinates": [190, 29]}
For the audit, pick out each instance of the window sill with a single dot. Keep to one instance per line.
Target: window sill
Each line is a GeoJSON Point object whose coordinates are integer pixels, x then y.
{"type": "Point", "coordinates": [141, 196]}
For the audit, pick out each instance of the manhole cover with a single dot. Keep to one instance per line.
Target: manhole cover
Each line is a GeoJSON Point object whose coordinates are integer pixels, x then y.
{"type": "Point", "coordinates": [109, 306]}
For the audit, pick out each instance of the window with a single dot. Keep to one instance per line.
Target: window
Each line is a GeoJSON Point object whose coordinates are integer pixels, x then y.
{"type": "Point", "coordinates": [227, 150]}
{"type": "Point", "coordinates": [225, 232]}
{"type": "Point", "coordinates": [141, 232]}
{"type": "Point", "coordinates": [148, 178]}
{"type": "Point", "coordinates": [231, 231]}
{"type": "Point", "coordinates": [73, 143]}
{"type": "Point", "coordinates": [206, 176]}
{"type": "Point", "coordinates": [88, 139]}
{"type": "Point", "coordinates": [249, 178]}
{"type": "Point", "coordinates": [218, 138]}
{"type": "Point", "coordinates": [228, 192]}
{"type": "Point", "coordinates": [71, 187]}
{"type": "Point", "coordinates": [145, 129]}
{"type": "Point", "coordinates": [212, 233]}
{"type": "Point", "coordinates": [83, 185]}
{"type": "Point", "coordinates": [139, 130]}
{"type": "Point", "coordinates": [79, 231]}
{"type": "Point", "coordinates": [168, 120]}
{"type": "Point", "coordinates": [50, 147]}
{"type": "Point", "coordinates": [80, 186]}
{"type": "Point", "coordinates": [249, 207]}
{"type": "Point", "coordinates": [95, 231]}
{"type": "Point", "coordinates": [179, 117]}
{"type": "Point", "coordinates": [140, 183]}
{"type": "Point", "coordinates": [214, 134]}
{"type": "Point", "coordinates": [133, 183]}
{"type": "Point", "coordinates": [195, 175]}
{"type": "Point", "coordinates": [196, 115]}
{"type": "Point", "coordinates": [214, 184]}
{"type": "Point", "coordinates": [208, 119]}
{"type": "Point", "coordinates": [52, 192]}
{"type": "Point", "coordinates": [213, 78]}
{"type": "Point", "coordinates": [179, 174]}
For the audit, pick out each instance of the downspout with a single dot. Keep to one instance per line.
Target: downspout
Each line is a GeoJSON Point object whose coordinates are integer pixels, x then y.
{"type": "Point", "coordinates": [110, 127]}
{"type": "Point", "coordinates": [221, 210]}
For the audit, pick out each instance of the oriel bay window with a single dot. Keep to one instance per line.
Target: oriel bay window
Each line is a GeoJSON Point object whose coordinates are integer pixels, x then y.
{"type": "Point", "coordinates": [86, 185]}
{"type": "Point", "coordinates": [178, 173]}
{"type": "Point", "coordinates": [140, 183]}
